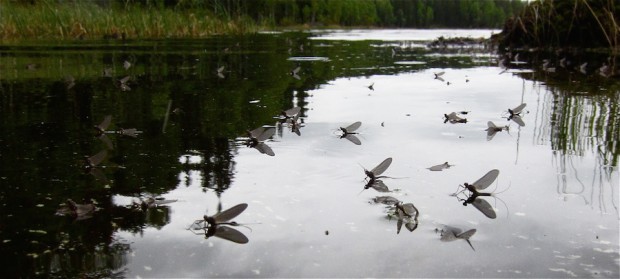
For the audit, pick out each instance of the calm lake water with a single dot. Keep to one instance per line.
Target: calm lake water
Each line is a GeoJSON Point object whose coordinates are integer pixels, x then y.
{"type": "Point", "coordinates": [556, 195]}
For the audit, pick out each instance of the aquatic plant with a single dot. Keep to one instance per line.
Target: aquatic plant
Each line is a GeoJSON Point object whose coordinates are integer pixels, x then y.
{"type": "Point", "coordinates": [577, 23]}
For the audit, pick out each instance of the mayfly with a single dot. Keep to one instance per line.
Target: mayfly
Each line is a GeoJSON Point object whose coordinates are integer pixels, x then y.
{"type": "Point", "coordinates": [90, 165]}
{"type": "Point", "coordinates": [220, 72]}
{"type": "Point", "coordinates": [295, 73]}
{"type": "Point", "coordinates": [123, 83]}
{"type": "Point", "coordinates": [516, 111]}
{"type": "Point", "coordinates": [440, 167]}
{"type": "Point", "coordinates": [438, 76]}
{"type": "Point", "coordinates": [77, 211]}
{"type": "Point", "coordinates": [453, 118]}
{"type": "Point", "coordinates": [256, 138]}
{"type": "Point", "coordinates": [473, 197]}
{"type": "Point", "coordinates": [218, 225]}
{"type": "Point", "coordinates": [101, 131]}
{"type": "Point", "coordinates": [371, 86]}
{"type": "Point", "coordinates": [493, 129]}
{"type": "Point", "coordinates": [374, 175]}
{"type": "Point", "coordinates": [150, 202]}
{"type": "Point", "coordinates": [408, 214]}
{"type": "Point", "coordinates": [451, 234]}
{"type": "Point", "coordinates": [69, 81]}
{"type": "Point", "coordinates": [294, 124]}
{"type": "Point", "coordinates": [387, 200]}
{"type": "Point", "coordinates": [349, 132]}
{"type": "Point", "coordinates": [289, 113]}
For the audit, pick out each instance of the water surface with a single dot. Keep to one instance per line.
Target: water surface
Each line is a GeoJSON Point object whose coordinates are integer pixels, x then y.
{"type": "Point", "coordinates": [557, 190]}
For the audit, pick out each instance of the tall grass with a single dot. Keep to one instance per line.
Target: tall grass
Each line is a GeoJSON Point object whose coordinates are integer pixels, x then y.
{"type": "Point", "coordinates": [581, 23]}
{"type": "Point", "coordinates": [85, 20]}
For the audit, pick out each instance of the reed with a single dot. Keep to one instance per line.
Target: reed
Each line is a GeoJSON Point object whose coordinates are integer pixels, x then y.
{"type": "Point", "coordinates": [578, 23]}
{"type": "Point", "coordinates": [85, 20]}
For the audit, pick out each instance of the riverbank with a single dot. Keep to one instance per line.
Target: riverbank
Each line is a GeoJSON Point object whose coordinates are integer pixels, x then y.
{"type": "Point", "coordinates": [96, 19]}
{"type": "Point", "coordinates": [86, 20]}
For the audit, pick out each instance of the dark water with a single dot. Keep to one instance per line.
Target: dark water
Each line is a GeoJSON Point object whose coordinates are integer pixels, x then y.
{"type": "Point", "coordinates": [557, 207]}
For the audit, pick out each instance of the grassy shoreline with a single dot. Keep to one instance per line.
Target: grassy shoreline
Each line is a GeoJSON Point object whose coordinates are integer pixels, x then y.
{"type": "Point", "coordinates": [85, 20]}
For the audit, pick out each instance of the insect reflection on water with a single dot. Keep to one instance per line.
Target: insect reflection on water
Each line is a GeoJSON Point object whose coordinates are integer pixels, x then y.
{"type": "Point", "coordinates": [473, 196]}
{"type": "Point", "coordinates": [219, 225]}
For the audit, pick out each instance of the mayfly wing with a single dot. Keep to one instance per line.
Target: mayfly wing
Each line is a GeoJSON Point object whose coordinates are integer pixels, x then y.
{"type": "Point", "coordinates": [486, 180]}
{"type": "Point", "coordinates": [230, 213]}
{"type": "Point", "coordinates": [410, 209]}
{"type": "Point", "coordinates": [197, 225]}
{"type": "Point", "coordinates": [440, 78]}
{"type": "Point", "coordinates": [484, 207]}
{"type": "Point", "coordinates": [380, 186]}
{"type": "Point", "coordinates": [256, 132]}
{"type": "Point", "coordinates": [439, 167]}
{"type": "Point", "coordinates": [106, 140]}
{"type": "Point", "coordinates": [399, 223]}
{"type": "Point", "coordinates": [382, 167]}
{"type": "Point", "coordinates": [231, 234]}
{"type": "Point", "coordinates": [125, 79]}
{"type": "Point", "coordinates": [297, 131]}
{"type": "Point", "coordinates": [266, 133]}
{"type": "Point", "coordinates": [519, 108]}
{"type": "Point", "coordinates": [452, 116]}
{"type": "Point", "coordinates": [490, 134]}
{"type": "Point", "coordinates": [99, 175]}
{"type": "Point", "coordinates": [353, 139]}
{"type": "Point", "coordinates": [353, 126]}
{"type": "Point", "coordinates": [265, 149]}
{"type": "Point", "coordinates": [105, 123]}
{"type": "Point", "coordinates": [411, 226]}
{"type": "Point", "coordinates": [439, 74]}
{"type": "Point", "coordinates": [491, 125]}
{"type": "Point", "coordinates": [97, 158]}
{"type": "Point", "coordinates": [467, 234]}
{"type": "Point", "coordinates": [292, 111]}
{"type": "Point", "coordinates": [296, 70]}
{"type": "Point", "coordinates": [517, 119]}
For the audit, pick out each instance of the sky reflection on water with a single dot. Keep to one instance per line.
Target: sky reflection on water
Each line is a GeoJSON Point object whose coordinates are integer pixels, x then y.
{"type": "Point", "coordinates": [312, 185]}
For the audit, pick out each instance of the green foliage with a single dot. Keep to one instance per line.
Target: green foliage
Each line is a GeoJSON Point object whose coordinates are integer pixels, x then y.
{"type": "Point", "coordinates": [54, 19]}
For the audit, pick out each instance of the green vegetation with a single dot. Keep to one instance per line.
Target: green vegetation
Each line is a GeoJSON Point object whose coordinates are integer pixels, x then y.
{"type": "Point", "coordinates": [54, 19]}
{"type": "Point", "coordinates": [577, 23]}
{"type": "Point", "coordinates": [87, 20]}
